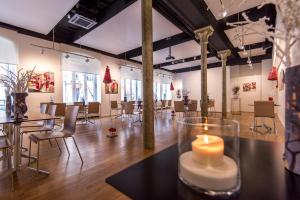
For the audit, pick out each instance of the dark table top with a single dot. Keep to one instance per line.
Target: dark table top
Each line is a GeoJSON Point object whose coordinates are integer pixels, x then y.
{"type": "Point", "coordinates": [262, 172]}
{"type": "Point", "coordinates": [7, 119]}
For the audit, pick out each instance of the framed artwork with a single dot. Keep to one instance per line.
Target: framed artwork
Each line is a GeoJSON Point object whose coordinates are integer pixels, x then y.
{"type": "Point", "coordinates": [41, 82]}
{"type": "Point", "coordinates": [112, 88]}
{"type": "Point", "coordinates": [249, 87]}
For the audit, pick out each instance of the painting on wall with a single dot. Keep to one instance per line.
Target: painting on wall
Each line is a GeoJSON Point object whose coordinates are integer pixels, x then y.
{"type": "Point", "coordinates": [112, 88]}
{"type": "Point", "coordinates": [42, 82]}
{"type": "Point", "coordinates": [249, 87]}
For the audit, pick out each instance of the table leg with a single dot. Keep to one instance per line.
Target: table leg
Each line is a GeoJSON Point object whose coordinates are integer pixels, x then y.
{"type": "Point", "coordinates": [17, 147]}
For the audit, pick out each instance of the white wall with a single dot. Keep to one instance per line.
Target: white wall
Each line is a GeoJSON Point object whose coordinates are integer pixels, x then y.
{"type": "Point", "coordinates": [191, 81]}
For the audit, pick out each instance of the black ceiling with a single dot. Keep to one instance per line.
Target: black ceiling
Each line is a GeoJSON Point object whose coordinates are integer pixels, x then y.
{"type": "Point", "coordinates": [187, 15]}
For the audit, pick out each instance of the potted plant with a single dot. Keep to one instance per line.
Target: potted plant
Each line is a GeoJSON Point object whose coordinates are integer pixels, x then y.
{"type": "Point", "coordinates": [17, 83]}
{"type": "Point", "coordinates": [235, 91]}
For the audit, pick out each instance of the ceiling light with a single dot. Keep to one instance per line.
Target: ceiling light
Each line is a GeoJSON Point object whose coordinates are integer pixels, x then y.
{"type": "Point", "coordinates": [67, 56]}
{"type": "Point", "coordinates": [131, 69]}
{"type": "Point", "coordinates": [69, 16]}
{"type": "Point", "coordinates": [170, 57]}
{"type": "Point", "coordinates": [223, 13]}
{"type": "Point", "coordinates": [241, 47]}
{"type": "Point", "coordinates": [249, 61]}
{"type": "Point", "coordinates": [87, 60]}
{"type": "Point", "coordinates": [42, 51]}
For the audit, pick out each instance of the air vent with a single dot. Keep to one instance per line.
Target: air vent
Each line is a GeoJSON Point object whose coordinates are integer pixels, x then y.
{"type": "Point", "coordinates": [81, 21]}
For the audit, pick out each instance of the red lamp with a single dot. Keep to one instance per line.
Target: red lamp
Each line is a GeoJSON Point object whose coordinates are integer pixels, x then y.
{"type": "Point", "coordinates": [171, 87]}
{"type": "Point", "coordinates": [107, 78]}
{"type": "Point", "coordinates": [273, 75]}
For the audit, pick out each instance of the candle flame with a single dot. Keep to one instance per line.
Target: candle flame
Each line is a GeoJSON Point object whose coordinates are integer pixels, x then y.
{"type": "Point", "coordinates": [205, 139]}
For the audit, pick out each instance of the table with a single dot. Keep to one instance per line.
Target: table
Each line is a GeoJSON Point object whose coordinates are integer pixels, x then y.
{"type": "Point", "coordinates": [262, 172]}
{"type": "Point", "coordinates": [5, 118]}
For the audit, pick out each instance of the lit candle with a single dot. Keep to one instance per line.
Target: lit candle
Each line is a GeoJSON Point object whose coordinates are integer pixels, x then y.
{"type": "Point", "coordinates": [208, 150]}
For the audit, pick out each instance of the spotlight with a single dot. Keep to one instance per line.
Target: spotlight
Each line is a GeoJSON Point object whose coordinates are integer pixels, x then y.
{"type": "Point", "coordinates": [67, 56]}
{"type": "Point", "coordinates": [42, 51]}
{"type": "Point", "coordinates": [131, 69]}
{"type": "Point", "coordinates": [87, 60]}
{"type": "Point", "coordinates": [224, 13]}
{"type": "Point", "coordinates": [241, 47]}
{"type": "Point", "coordinates": [69, 16]}
{"type": "Point", "coordinates": [249, 61]}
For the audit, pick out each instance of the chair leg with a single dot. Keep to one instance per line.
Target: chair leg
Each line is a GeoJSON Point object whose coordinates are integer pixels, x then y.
{"type": "Point", "coordinates": [274, 127]}
{"type": "Point", "coordinates": [29, 160]}
{"type": "Point", "coordinates": [66, 146]}
{"type": "Point", "coordinates": [58, 145]}
{"type": "Point", "coordinates": [38, 156]}
{"type": "Point", "coordinates": [77, 149]}
{"type": "Point", "coordinates": [50, 142]}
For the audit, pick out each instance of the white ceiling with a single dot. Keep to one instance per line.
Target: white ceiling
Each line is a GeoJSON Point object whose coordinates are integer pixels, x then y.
{"type": "Point", "coordinates": [123, 32]}
{"type": "Point", "coordinates": [35, 15]}
{"type": "Point", "coordinates": [180, 51]}
{"type": "Point", "coordinates": [254, 52]}
{"type": "Point", "coordinates": [250, 36]}
{"type": "Point", "coordinates": [231, 6]}
{"type": "Point", "coordinates": [191, 64]}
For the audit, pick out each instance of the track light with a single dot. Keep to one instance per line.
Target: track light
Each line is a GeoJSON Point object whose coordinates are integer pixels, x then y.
{"type": "Point", "coordinates": [249, 61]}
{"type": "Point", "coordinates": [223, 13]}
{"type": "Point", "coordinates": [42, 51]}
{"type": "Point", "coordinates": [67, 56]}
{"type": "Point", "coordinates": [87, 60]}
{"type": "Point", "coordinates": [241, 47]}
{"type": "Point", "coordinates": [131, 69]}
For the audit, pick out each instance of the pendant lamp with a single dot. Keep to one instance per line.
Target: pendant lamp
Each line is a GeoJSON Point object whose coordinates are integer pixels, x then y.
{"type": "Point", "coordinates": [273, 75]}
{"type": "Point", "coordinates": [107, 78]}
{"type": "Point", "coordinates": [171, 87]}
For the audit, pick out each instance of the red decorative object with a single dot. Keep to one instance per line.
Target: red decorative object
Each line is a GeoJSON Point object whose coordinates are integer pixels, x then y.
{"type": "Point", "coordinates": [273, 75]}
{"type": "Point", "coordinates": [112, 132]}
{"type": "Point", "coordinates": [114, 87]}
{"type": "Point", "coordinates": [271, 99]}
{"type": "Point", "coordinates": [171, 87]}
{"type": "Point", "coordinates": [107, 78]}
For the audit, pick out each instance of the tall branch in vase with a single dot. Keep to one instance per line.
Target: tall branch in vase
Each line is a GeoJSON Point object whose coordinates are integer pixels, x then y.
{"type": "Point", "coordinates": [289, 32]}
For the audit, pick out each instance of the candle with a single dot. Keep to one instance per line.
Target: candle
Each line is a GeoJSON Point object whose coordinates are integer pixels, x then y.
{"type": "Point", "coordinates": [208, 150]}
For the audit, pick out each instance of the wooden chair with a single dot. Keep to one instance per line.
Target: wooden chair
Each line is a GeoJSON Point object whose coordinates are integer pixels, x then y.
{"type": "Point", "coordinates": [163, 105]}
{"type": "Point", "coordinates": [93, 111]}
{"type": "Point", "coordinates": [68, 131]}
{"type": "Point", "coordinates": [264, 109]}
{"type": "Point", "coordinates": [6, 148]}
{"type": "Point", "coordinates": [211, 105]}
{"type": "Point", "coordinates": [192, 106]}
{"type": "Point", "coordinates": [169, 106]}
{"type": "Point", "coordinates": [129, 110]}
{"type": "Point", "coordinates": [114, 107]}
{"type": "Point", "coordinates": [179, 107]}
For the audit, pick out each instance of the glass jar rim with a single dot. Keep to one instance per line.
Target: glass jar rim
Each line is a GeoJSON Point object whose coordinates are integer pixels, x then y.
{"type": "Point", "coordinates": [233, 122]}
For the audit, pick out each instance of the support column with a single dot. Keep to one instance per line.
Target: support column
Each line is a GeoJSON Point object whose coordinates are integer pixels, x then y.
{"type": "Point", "coordinates": [203, 34]}
{"type": "Point", "coordinates": [223, 55]}
{"type": "Point", "coordinates": [147, 57]}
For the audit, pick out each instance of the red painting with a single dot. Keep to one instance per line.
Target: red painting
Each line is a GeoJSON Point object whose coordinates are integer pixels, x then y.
{"type": "Point", "coordinates": [42, 82]}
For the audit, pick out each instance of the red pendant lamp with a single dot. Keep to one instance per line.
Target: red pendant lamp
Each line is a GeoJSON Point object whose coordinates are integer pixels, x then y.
{"type": "Point", "coordinates": [171, 87]}
{"type": "Point", "coordinates": [273, 75]}
{"type": "Point", "coordinates": [107, 78]}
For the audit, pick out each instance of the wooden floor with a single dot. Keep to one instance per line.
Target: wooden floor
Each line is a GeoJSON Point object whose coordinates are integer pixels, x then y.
{"type": "Point", "coordinates": [103, 157]}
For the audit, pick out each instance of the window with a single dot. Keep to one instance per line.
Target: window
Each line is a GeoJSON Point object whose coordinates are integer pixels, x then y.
{"type": "Point", "coordinates": [12, 68]}
{"type": "Point", "coordinates": [132, 89]}
{"type": "Point", "coordinates": [78, 86]}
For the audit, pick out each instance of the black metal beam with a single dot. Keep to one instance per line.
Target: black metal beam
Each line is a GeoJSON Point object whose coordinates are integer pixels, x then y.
{"type": "Point", "coordinates": [158, 45]}
{"type": "Point", "coordinates": [231, 62]}
{"type": "Point", "coordinates": [184, 60]}
{"type": "Point", "coordinates": [113, 10]}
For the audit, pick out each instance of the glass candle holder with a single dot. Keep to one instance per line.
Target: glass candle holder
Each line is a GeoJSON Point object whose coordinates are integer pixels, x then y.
{"type": "Point", "coordinates": [208, 150]}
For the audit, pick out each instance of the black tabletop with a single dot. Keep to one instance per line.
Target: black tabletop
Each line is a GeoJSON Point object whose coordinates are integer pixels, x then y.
{"type": "Point", "coordinates": [262, 171]}
{"type": "Point", "coordinates": [6, 118]}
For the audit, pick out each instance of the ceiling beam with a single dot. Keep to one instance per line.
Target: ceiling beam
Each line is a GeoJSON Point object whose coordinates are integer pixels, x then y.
{"type": "Point", "coordinates": [158, 45]}
{"type": "Point", "coordinates": [230, 62]}
{"type": "Point", "coordinates": [184, 60]}
{"type": "Point", "coordinates": [112, 11]}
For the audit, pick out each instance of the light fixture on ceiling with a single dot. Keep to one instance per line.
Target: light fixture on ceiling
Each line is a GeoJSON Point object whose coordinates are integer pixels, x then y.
{"type": "Point", "coordinates": [42, 51]}
{"type": "Point", "coordinates": [69, 16]}
{"type": "Point", "coordinates": [131, 69]}
{"type": "Point", "coordinates": [67, 56]}
{"type": "Point", "coordinates": [170, 57]}
{"type": "Point", "coordinates": [249, 61]}
{"type": "Point", "coordinates": [87, 60]}
{"type": "Point", "coordinates": [223, 12]}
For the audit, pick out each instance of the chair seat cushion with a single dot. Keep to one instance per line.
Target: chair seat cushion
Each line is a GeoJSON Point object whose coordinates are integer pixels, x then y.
{"type": "Point", "coordinates": [35, 137]}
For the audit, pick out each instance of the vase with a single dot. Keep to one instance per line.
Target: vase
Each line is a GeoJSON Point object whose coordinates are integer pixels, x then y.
{"type": "Point", "coordinates": [20, 107]}
{"type": "Point", "coordinates": [292, 120]}
{"type": "Point", "coordinates": [186, 100]}
{"type": "Point", "coordinates": [8, 104]}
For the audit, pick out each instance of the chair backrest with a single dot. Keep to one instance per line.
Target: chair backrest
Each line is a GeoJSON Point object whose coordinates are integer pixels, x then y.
{"type": "Point", "coordinates": [131, 102]}
{"type": "Point", "coordinates": [70, 119]}
{"type": "Point", "coordinates": [179, 106]}
{"type": "Point", "coordinates": [51, 111]}
{"type": "Point", "coordinates": [170, 103]}
{"type": "Point", "coordinates": [264, 109]}
{"type": "Point", "coordinates": [93, 107]}
{"type": "Point", "coordinates": [211, 103]}
{"type": "Point", "coordinates": [43, 108]}
{"type": "Point", "coordinates": [113, 104]}
{"type": "Point", "coordinates": [129, 108]}
{"type": "Point", "coordinates": [60, 109]}
{"type": "Point", "coordinates": [163, 103]}
{"type": "Point", "coordinates": [192, 106]}
{"type": "Point", "coordinates": [80, 104]}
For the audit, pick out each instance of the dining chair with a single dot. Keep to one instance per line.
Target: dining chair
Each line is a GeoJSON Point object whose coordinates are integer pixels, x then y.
{"type": "Point", "coordinates": [43, 110]}
{"type": "Point", "coordinates": [48, 126]}
{"type": "Point", "coordinates": [179, 107]}
{"type": "Point", "coordinates": [129, 110]}
{"type": "Point", "coordinates": [6, 148]}
{"type": "Point", "coordinates": [211, 105]}
{"type": "Point", "coordinates": [163, 105]}
{"type": "Point", "coordinates": [81, 112]}
{"type": "Point", "coordinates": [192, 107]}
{"type": "Point", "coordinates": [93, 111]}
{"type": "Point", "coordinates": [60, 112]}
{"type": "Point", "coordinates": [114, 107]}
{"type": "Point", "coordinates": [264, 109]}
{"type": "Point", "coordinates": [67, 131]}
{"type": "Point", "coordinates": [169, 106]}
